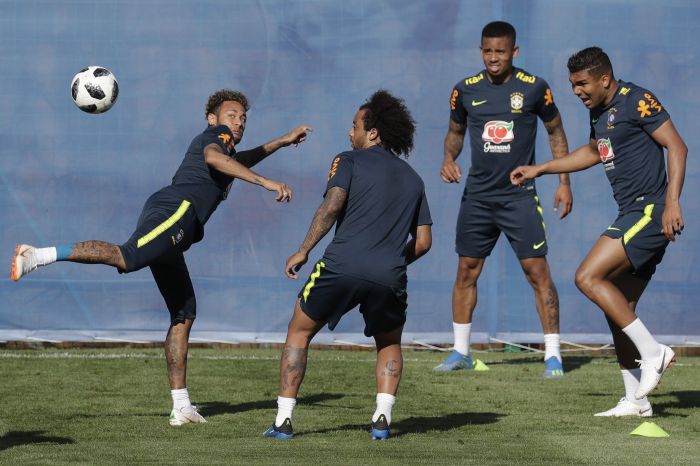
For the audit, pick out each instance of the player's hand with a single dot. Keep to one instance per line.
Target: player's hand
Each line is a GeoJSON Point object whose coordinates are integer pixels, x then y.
{"type": "Point", "coordinates": [672, 221]}
{"type": "Point", "coordinates": [523, 173]}
{"type": "Point", "coordinates": [296, 136]}
{"type": "Point", "coordinates": [564, 198]}
{"type": "Point", "coordinates": [294, 264]}
{"type": "Point", "coordinates": [450, 172]}
{"type": "Point", "coordinates": [284, 192]}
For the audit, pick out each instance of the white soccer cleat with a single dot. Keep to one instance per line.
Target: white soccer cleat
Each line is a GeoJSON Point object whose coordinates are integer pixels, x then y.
{"type": "Point", "coordinates": [652, 370]}
{"type": "Point", "coordinates": [185, 415]}
{"type": "Point", "coordinates": [626, 407]}
{"type": "Point", "coordinates": [23, 262]}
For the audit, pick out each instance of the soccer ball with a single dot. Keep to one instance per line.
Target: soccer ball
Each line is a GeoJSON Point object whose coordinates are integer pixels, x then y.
{"type": "Point", "coordinates": [94, 89]}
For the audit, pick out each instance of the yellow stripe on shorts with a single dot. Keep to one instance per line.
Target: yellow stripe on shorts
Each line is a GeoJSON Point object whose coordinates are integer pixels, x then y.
{"type": "Point", "coordinates": [312, 280]}
{"type": "Point", "coordinates": [637, 227]}
{"type": "Point", "coordinates": [153, 234]}
{"type": "Point", "coordinates": [539, 209]}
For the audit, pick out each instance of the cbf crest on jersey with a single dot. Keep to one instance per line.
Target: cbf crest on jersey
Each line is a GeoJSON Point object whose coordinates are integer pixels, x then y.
{"type": "Point", "coordinates": [611, 118]}
{"type": "Point", "coordinates": [517, 100]}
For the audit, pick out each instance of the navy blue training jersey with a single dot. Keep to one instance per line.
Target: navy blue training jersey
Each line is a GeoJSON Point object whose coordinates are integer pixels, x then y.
{"type": "Point", "coordinates": [196, 181]}
{"type": "Point", "coordinates": [633, 161]}
{"type": "Point", "coordinates": [386, 200]}
{"type": "Point", "coordinates": [502, 124]}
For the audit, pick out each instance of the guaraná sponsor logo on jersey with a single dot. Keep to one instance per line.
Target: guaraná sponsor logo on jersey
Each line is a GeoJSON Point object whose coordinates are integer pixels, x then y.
{"type": "Point", "coordinates": [495, 133]}
{"type": "Point", "coordinates": [605, 150]}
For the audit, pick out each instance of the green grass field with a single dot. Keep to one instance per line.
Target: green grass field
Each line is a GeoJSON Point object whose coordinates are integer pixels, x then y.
{"type": "Point", "coordinates": [111, 407]}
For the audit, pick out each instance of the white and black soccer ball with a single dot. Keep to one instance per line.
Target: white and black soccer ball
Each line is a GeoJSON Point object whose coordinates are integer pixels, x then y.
{"type": "Point", "coordinates": [94, 89]}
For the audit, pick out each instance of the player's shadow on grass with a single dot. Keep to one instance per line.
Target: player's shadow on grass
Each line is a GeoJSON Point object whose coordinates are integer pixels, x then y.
{"type": "Point", "coordinates": [571, 363]}
{"type": "Point", "coordinates": [18, 438]}
{"type": "Point", "coordinates": [686, 399]}
{"type": "Point", "coordinates": [215, 408]}
{"type": "Point", "coordinates": [420, 425]}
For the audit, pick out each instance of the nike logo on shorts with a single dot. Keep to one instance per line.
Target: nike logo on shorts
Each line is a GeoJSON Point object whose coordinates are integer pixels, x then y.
{"type": "Point", "coordinates": [538, 245]}
{"type": "Point", "coordinates": [476, 104]}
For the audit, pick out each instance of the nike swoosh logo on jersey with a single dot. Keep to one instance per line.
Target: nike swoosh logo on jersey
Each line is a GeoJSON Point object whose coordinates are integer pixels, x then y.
{"type": "Point", "coordinates": [538, 245]}
{"type": "Point", "coordinates": [594, 120]}
{"type": "Point", "coordinates": [476, 104]}
{"type": "Point", "coordinates": [613, 228]}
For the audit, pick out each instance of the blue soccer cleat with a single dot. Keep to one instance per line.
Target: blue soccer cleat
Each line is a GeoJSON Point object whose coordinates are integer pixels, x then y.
{"type": "Point", "coordinates": [455, 361]}
{"type": "Point", "coordinates": [380, 429]}
{"type": "Point", "coordinates": [283, 432]}
{"type": "Point", "coordinates": [553, 368]}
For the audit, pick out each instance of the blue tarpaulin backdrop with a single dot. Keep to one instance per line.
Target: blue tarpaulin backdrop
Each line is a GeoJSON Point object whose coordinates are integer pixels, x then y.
{"type": "Point", "coordinates": [67, 176]}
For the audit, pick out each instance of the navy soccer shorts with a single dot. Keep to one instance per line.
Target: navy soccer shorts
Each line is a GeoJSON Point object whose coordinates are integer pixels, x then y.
{"type": "Point", "coordinates": [640, 231]}
{"type": "Point", "coordinates": [328, 295]}
{"type": "Point", "coordinates": [167, 227]}
{"type": "Point", "coordinates": [480, 223]}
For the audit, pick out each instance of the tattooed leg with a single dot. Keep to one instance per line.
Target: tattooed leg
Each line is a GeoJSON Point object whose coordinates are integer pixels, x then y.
{"type": "Point", "coordinates": [98, 252]}
{"type": "Point", "coordinates": [389, 361]}
{"type": "Point", "coordinates": [301, 330]}
{"type": "Point", "coordinates": [176, 353]}
{"type": "Point", "coordinates": [546, 297]}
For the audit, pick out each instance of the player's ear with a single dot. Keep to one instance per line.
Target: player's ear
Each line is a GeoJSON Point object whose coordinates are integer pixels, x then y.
{"type": "Point", "coordinates": [516, 51]}
{"type": "Point", "coordinates": [212, 120]}
{"type": "Point", "coordinates": [605, 80]}
{"type": "Point", "coordinates": [373, 134]}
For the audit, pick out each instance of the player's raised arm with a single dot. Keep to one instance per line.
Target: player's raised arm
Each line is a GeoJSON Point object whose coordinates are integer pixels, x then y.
{"type": "Point", "coordinates": [215, 158]}
{"type": "Point", "coordinates": [667, 136]}
{"type": "Point", "coordinates": [250, 158]}
{"type": "Point", "coordinates": [560, 147]}
{"type": "Point", "coordinates": [326, 215]}
{"type": "Point", "coordinates": [580, 159]}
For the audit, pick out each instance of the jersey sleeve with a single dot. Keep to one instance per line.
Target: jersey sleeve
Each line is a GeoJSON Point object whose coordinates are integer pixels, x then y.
{"type": "Point", "coordinates": [546, 108]}
{"type": "Point", "coordinates": [458, 113]}
{"type": "Point", "coordinates": [340, 174]}
{"type": "Point", "coordinates": [221, 136]}
{"type": "Point", "coordinates": [646, 110]}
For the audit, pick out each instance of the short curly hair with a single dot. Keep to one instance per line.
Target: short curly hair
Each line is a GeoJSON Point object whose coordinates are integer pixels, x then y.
{"type": "Point", "coordinates": [219, 97]}
{"type": "Point", "coordinates": [392, 119]}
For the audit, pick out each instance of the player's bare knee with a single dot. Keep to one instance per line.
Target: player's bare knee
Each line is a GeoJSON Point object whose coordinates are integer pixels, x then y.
{"type": "Point", "coordinates": [585, 280]}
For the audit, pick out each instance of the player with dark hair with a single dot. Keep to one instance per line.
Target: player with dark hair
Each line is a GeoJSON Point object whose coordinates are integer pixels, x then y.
{"type": "Point", "coordinates": [629, 131]}
{"type": "Point", "coordinates": [499, 106]}
{"type": "Point", "coordinates": [171, 221]}
{"type": "Point", "coordinates": [377, 200]}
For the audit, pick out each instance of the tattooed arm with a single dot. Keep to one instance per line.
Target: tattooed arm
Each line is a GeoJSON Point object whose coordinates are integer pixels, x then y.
{"type": "Point", "coordinates": [560, 147]}
{"type": "Point", "coordinates": [454, 141]}
{"type": "Point", "coordinates": [215, 158]}
{"type": "Point", "coordinates": [325, 217]}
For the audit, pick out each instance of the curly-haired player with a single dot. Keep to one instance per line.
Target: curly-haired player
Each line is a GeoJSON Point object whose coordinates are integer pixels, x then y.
{"type": "Point", "coordinates": [171, 221]}
{"type": "Point", "coordinates": [377, 200]}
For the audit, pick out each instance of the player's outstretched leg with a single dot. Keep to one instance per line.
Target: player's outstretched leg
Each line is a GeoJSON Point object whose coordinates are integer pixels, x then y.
{"type": "Point", "coordinates": [301, 330]}
{"type": "Point", "coordinates": [28, 258]}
